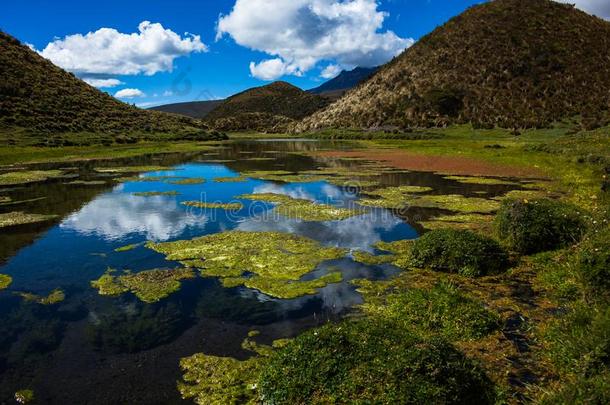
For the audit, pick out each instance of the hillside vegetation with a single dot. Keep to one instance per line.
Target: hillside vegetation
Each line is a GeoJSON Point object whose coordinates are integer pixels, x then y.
{"type": "Point", "coordinates": [193, 109]}
{"type": "Point", "coordinates": [506, 63]}
{"type": "Point", "coordinates": [43, 105]}
{"type": "Point", "coordinates": [268, 108]}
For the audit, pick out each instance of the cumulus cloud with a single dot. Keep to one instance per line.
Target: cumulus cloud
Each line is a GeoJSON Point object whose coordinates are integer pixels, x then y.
{"type": "Point", "coordinates": [102, 83]}
{"type": "Point", "coordinates": [129, 93]}
{"type": "Point", "coordinates": [600, 8]}
{"type": "Point", "coordinates": [107, 51]}
{"type": "Point", "coordinates": [302, 33]}
{"type": "Point", "coordinates": [331, 71]}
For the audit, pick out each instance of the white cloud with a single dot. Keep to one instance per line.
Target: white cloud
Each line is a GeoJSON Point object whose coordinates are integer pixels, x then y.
{"type": "Point", "coordinates": [600, 8]}
{"type": "Point", "coordinates": [106, 51]}
{"type": "Point", "coordinates": [129, 93]}
{"type": "Point", "coordinates": [331, 71]}
{"type": "Point", "coordinates": [102, 83]}
{"type": "Point", "coordinates": [302, 33]}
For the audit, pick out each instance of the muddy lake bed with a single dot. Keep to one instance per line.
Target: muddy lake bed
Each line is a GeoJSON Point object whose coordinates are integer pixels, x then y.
{"type": "Point", "coordinates": [103, 217]}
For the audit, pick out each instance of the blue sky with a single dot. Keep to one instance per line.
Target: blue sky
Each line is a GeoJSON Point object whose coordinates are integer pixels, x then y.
{"type": "Point", "coordinates": [261, 39]}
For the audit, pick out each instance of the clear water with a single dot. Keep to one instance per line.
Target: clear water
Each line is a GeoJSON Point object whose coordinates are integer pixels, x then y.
{"type": "Point", "coordinates": [108, 350]}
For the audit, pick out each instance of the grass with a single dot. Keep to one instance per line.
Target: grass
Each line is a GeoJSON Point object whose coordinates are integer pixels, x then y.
{"type": "Point", "coordinates": [5, 281]}
{"type": "Point", "coordinates": [27, 176]}
{"type": "Point", "coordinates": [55, 297]}
{"type": "Point", "coordinates": [21, 218]}
{"type": "Point", "coordinates": [205, 205]}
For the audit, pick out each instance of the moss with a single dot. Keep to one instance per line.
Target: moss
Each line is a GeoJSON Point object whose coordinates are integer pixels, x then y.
{"type": "Point", "coordinates": [441, 310]}
{"type": "Point", "coordinates": [282, 176]}
{"type": "Point", "coordinates": [149, 286]}
{"type": "Point", "coordinates": [24, 396]}
{"type": "Point", "coordinates": [156, 193]}
{"type": "Point", "coordinates": [372, 260]}
{"type": "Point", "coordinates": [392, 197]}
{"type": "Point", "coordinates": [127, 248]}
{"type": "Point", "coordinates": [131, 169]}
{"type": "Point", "coordinates": [397, 198]}
{"type": "Point", "coordinates": [187, 182]}
{"type": "Point", "coordinates": [55, 297]}
{"type": "Point", "coordinates": [284, 289]}
{"type": "Point", "coordinates": [304, 210]}
{"type": "Point", "coordinates": [5, 281]}
{"type": "Point", "coordinates": [273, 257]}
{"type": "Point", "coordinates": [401, 251]}
{"type": "Point", "coordinates": [481, 180]}
{"type": "Point", "coordinates": [535, 226]}
{"type": "Point", "coordinates": [238, 179]}
{"type": "Point", "coordinates": [21, 218]}
{"type": "Point", "coordinates": [27, 176]}
{"type": "Point", "coordinates": [345, 363]}
{"type": "Point", "coordinates": [523, 195]}
{"type": "Point", "coordinates": [461, 221]}
{"type": "Point", "coordinates": [224, 206]}
{"type": "Point", "coordinates": [458, 251]}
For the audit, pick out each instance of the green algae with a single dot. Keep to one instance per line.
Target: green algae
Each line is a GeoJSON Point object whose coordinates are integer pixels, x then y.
{"type": "Point", "coordinates": [205, 205]}
{"type": "Point", "coordinates": [276, 260]}
{"type": "Point", "coordinates": [127, 248]}
{"type": "Point", "coordinates": [187, 182]}
{"type": "Point", "coordinates": [55, 297]}
{"type": "Point", "coordinates": [156, 193]}
{"type": "Point", "coordinates": [5, 281]}
{"type": "Point", "coordinates": [238, 179]}
{"type": "Point", "coordinates": [303, 210]}
{"type": "Point", "coordinates": [132, 169]}
{"type": "Point", "coordinates": [24, 396]}
{"type": "Point", "coordinates": [149, 286]}
{"type": "Point", "coordinates": [22, 218]}
{"type": "Point", "coordinates": [284, 289]}
{"type": "Point", "coordinates": [481, 180]}
{"type": "Point", "coordinates": [28, 176]}
{"type": "Point", "coordinates": [372, 260]}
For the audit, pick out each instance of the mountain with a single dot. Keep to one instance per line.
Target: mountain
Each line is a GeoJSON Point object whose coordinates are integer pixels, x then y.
{"type": "Point", "coordinates": [41, 104]}
{"type": "Point", "coordinates": [346, 80]}
{"type": "Point", "coordinates": [193, 109]}
{"type": "Point", "coordinates": [506, 63]}
{"type": "Point", "coordinates": [268, 108]}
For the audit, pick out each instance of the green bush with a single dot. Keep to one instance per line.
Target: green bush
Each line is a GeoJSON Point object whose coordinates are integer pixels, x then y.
{"type": "Point", "coordinates": [593, 265]}
{"type": "Point", "coordinates": [371, 362]}
{"type": "Point", "coordinates": [528, 227]}
{"type": "Point", "coordinates": [458, 251]}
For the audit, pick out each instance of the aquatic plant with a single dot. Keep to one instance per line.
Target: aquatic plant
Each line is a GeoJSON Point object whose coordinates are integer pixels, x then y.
{"type": "Point", "coordinates": [458, 251]}
{"type": "Point", "coordinates": [149, 286]}
{"type": "Point", "coordinates": [456, 203]}
{"type": "Point", "coordinates": [131, 169]}
{"type": "Point", "coordinates": [156, 193]}
{"type": "Point", "coordinates": [22, 218]}
{"type": "Point", "coordinates": [27, 176]}
{"type": "Point", "coordinates": [24, 396]}
{"type": "Point", "coordinates": [55, 297]}
{"type": "Point", "coordinates": [205, 205]}
{"type": "Point", "coordinates": [401, 252]}
{"type": "Point", "coordinates": [86, 183]}
{"type": "Point", "coordinates": [460, 221]}
{"type": "Point", "coordinates": [344, 363]}
{"type": "Point", "coordinates": [284, 289]}
{"type": "Point", "coordinates": [441, 310]}
{"type": "Point", "coordinates": [535, 226]}
{"type": "Point", "coordinates": [188, 182]}
{"type": "Point", "coordinates": [275, 258]}
{"type": "Point", "coordinates": [267, 197]}
{"type": "Point", "coordinates": [282, 176]}
{"type": "Point", "coordinates": [481, 180]}
{"type": "Point", "coordinates": [237, 179]}
{"type": "Point", "coordinates": [127, 248]}
{"type": "Point", "coordinates": [5, 281]}
{"type": "Point", "coordinates": [372, 260]}
{"type": "Point", "coordinates": [392, 197]}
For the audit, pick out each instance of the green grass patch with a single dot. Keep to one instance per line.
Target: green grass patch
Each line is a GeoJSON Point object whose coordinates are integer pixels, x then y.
{"type": "Point", "coordinates": [27, 176]}
{"type": "Point", "coordinates": [22, 218]}
{"type": "Point", "coordinates": [5, 281]}
{"type": "Point", "coordinates": [55, 297]}
{"type": "Point", "coordinates": [157, 194]}
{"type": "Point", "coordinates": [223, 206]}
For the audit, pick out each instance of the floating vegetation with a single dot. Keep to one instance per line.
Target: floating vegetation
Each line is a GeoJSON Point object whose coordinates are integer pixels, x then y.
{"type": "Point", "coordinates": [452, 202]}
{"type": "Point", "coordinates": [127, 248]}
{"type": "Point", "coordinates": [217, 161]}
{"type": "Point", "coordinates": [238, 179]}
{"type": "Point", "coordinates": [304, 210]}
{"type": "Point", "coordinates": [393, 197]}
{"type": "Point", "coordinates": [461, 221]}
{"type": "Point", "coordinates": [149, 286]}
{"type": "Point", "coordinates": [281, 288]}
{"type": "Point", "coordinates": [5, 281]}
{"type": "Point", "coordinates": [55, 297]}
{"type": "Point", "coordinates": [29, 176]}
{"type": "Point", "coordinates": [87, 183]}
{"type": "Point", "coordinates": [401, 251]}
{"type": "Point", "coordinates": [259, 159]}
{"type": "Point", "coordinates": [146, 179]}
{"type": "Point", "coordinates": [276, 259]}
{"type": "Point", "coordinates": [156, 193]}
{"type": "Point", "coordinates": [24, 396]}
{"type": "Point", "coordinates": [283, 176]}
{"type": "Point", "coordinates": [372, 260]}
{"type": "Point", "coordinates": [132, 169]}
{"type": "Point", "coordinates": [187, 182]}
{"type": "Point", "coordinates": [5, 199]}
{"type": "Point", "coordinates": [22, 218]}
{"type": "Point", "coordinates": [235, 206]}
{"type": "Point", "coordinates": [481, 180]}
{"type": "Point", "coordinates": [523, 195]}
{"type": "Point", "coordinates": [31, 200]}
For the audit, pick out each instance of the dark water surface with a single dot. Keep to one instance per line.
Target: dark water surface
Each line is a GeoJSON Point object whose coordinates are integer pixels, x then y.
{"type": "Point", "coordinates": [117, 350]}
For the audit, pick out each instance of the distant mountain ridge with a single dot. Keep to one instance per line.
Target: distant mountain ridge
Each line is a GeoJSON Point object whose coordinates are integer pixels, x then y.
{"type": "Point", "coordinates": [346, 80]}
{"type": "Point", "coordinates": [505, 63]}
{"type": "Point", "coordinates": [193, 109]}
{"type": "Point", "coordinates": [41, 104]}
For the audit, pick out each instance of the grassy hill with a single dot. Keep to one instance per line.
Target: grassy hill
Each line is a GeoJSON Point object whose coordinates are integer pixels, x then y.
{"type": "Point", "coordinates": [506, 63]}
{"type": "Point", "coordinates": [193, 109]}
{"type": "Point", "coordinates": [41, 104]}
{"type": "Point", "coordinates": [267, 108]}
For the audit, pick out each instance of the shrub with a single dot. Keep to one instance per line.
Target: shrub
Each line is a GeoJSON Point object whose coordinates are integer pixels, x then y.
{"type": "Point", "coordinates": [371, 362]}
{"type": "Point", "coordinates": [458, 251]}
{"type": "Point", "coordinates": [529, 227]}
{"type": "Point", "coordinates": [593, 265]}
